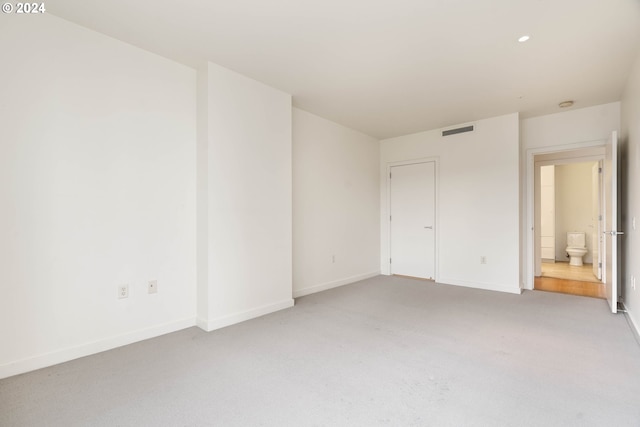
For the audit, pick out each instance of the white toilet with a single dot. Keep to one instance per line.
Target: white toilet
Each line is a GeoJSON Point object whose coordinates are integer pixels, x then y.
{"type": "Point", "coordinates": [576, 247]}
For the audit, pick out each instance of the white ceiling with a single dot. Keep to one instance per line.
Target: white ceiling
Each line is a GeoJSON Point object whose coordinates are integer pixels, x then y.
{"type": "Point", "coordinates": [391, 68]}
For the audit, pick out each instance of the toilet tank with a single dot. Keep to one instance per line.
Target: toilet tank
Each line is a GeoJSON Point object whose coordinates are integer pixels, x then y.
{"type": "Point", "coordinates": [576, 239]}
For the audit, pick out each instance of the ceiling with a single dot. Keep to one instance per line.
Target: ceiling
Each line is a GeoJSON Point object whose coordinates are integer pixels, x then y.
{"type": "Point", "coordinates": [389, 68]}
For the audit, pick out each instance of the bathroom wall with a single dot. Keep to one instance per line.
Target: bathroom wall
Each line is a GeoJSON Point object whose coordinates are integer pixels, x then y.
{"type": "Point", "coordinates": [573, 206]}
{"type": "Point", "coordinates": [547, 213]}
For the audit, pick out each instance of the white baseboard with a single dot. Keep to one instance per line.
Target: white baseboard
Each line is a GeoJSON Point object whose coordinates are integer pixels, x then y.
{"type": "Point", "coordinates": [632, 322]}
{"type": "Point", "coordinates": [334, 284]}
{"type": "Point", "coordinates": [512, 289]}
{"type": "Point", "coordinates": [71, 353]}
{"type": "Point", "coordinates": [202, 323]}
{"type": "Point", "coordinates": [231, 319]}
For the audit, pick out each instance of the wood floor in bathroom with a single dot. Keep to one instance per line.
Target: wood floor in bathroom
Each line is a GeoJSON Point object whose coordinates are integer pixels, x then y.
{"type": "Point", "coordinates": [573, 287]}
{"type": "Point", "coordinates": [562, 270]}
{"type": "Point", "coordinates": [567, 279]}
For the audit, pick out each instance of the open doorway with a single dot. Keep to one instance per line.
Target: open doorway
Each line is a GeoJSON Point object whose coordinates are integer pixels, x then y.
{"type": "Point", "coordinates": [568, 217]}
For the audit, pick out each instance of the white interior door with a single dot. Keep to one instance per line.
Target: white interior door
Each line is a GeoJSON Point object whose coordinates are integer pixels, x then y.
{"type": "Point", "coordinates": [596, 219]}
{"type": "Point", "coordinates": [412, 220]}
{"type": "Point", "coordinates": [610, 172]}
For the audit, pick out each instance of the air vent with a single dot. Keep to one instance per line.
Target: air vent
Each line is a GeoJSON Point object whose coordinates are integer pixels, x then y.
{"type": "Point", "coordinates": [457, 130]}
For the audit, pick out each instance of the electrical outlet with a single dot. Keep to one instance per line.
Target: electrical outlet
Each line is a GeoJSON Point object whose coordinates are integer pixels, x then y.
{"type": "Point", "coordinates": [123, 291]}
{"type": "Point", "coordinates": [152, 287]}
{"type": "Point", "coordinates": [483, 259]}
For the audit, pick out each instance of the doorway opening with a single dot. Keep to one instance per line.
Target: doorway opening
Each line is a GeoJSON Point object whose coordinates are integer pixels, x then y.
{"type": "Point", "coordinates": [585, 151]}
{"type": "Point", "coordinates": [568, 212]}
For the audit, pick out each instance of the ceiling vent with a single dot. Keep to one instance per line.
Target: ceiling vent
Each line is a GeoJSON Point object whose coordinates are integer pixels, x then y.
{"type": "Point", "coordinates": [457, 130]}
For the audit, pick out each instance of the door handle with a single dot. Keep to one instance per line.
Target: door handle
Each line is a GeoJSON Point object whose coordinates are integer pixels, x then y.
{"type": "Point", "coordinates": [613, 233]}
{"type": "Point", "coordinates": [430, 227]}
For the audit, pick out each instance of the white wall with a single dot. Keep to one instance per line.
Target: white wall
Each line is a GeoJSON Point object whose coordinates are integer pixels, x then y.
{"type": "Point", "coordinates": [573, 206]}
{"type": "Point", "coordinates": [631, 192]}
{"type": "Point", "coordinates": [97, 186]}
{"type": "Point", "coordinates": [247, 143]}
{"type": "Point", "coordinates": [478, 201]}
{"type": "Point", "coordinates": [336, 197]}
{"type": "Point", "coordinates": [569, 127]}
{"type": "Point", "coordinates": [547, 213]}
{"type": "Point", "coordinates": [569, 130]}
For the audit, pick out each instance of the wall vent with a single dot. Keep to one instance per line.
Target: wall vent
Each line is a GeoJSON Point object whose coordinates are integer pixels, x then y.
{"type": "Point", "coordinates": [457, 130]}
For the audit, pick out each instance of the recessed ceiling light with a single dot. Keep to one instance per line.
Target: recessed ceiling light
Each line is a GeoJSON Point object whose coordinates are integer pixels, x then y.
{"type": "Point", "coordinates": [565, 104]}
{"type": "Point", "coordinates": [523, 39]}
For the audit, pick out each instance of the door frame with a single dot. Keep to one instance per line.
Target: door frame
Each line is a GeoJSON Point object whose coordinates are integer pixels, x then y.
{"type": "Point", "coordinates": [601, 213]}
{"type": "Point", "coordinates": [528, 233]}
{"type": "Point", "coordinates": [611, 181]}
{"type": "Point", "coordinates": [436, 221]}
{"type": "Point", "coordinates": [565, 161]}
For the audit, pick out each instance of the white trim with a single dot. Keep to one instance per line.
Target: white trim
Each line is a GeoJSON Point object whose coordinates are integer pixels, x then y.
{"type": "Point", "coordinates": [231, 319]}
{"type": "Point", "coordinates": [635, 326]}
{"type": "Point", "coordinates": [571, 160]}
{"type": "Point", "coordinates": [528, 235]}
{"type": "Point", "coordinates": [436, 161]}
{"type": "Point", "coordinates": [71, 353]}
{"type": "Point", "coordinates": [333, 284]}
{"type": "Point", "coordinates": [511, 289]}
{"type": "Point", "coordinates": [201, 323]}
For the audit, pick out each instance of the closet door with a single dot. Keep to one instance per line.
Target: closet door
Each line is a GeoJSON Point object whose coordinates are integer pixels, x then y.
{"type": "Point", "coordinates": [413, 220]}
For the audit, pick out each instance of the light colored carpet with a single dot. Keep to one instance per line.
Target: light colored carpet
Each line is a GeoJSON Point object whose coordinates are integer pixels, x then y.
{"type": "Point", "coordinates": [386, 351]}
